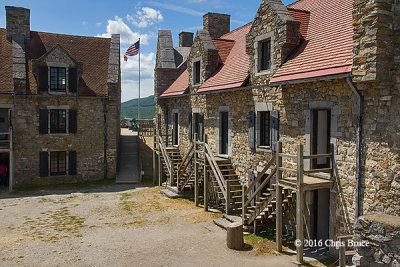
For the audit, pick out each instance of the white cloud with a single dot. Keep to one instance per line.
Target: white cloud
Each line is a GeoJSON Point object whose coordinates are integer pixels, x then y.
{"type": "Point", "coordinates": [84, 23]}
{"type": "Point", "coordinates": [145, 16]}
{"type": "Point", "coordinates": [175, 8]}
{"type": "Point", "coordinates": [130, 76]}
{"type": "Point", "coordinates": [118, 26]}
{"type": "Point", "coordinates": [98, 24]}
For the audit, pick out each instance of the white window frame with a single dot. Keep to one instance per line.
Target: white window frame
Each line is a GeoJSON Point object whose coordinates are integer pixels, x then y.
{"type": "Point", "coordinates": [257, 53]}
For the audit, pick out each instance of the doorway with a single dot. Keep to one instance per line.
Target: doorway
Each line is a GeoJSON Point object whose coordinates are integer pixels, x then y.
{"type": "Point", "coordinates": [320, 214]}
{"type": "Point", "coordinates": [175, 129]}
{"type": "Point", "coordinates": [223, 132]}
{"type": "Point", "coordinates": [5, 159]}
{"type": "Point", "coordinates": [320, 137]}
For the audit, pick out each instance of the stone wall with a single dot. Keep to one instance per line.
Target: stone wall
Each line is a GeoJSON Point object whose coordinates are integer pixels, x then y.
{"type": "Point", "coordinates": [216, 24]}
{"type": "Point", "coordinates": [378, 239]}
{"type": "Point", "coordinates": [88, 142]}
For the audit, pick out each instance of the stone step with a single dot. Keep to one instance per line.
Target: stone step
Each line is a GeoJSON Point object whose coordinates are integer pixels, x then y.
{"type": "Point", "coordinates": [222, 222]}
{"type": "Point", "coordinates": [170, 193]}
{"type": "Point", "coordinates": [232, 218]}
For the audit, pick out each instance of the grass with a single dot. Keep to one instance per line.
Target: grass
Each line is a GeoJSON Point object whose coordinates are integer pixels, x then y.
{"type": "Point", "coordinates": [264, 242]}
{"type": "Point", "coordinates": [72, 186]}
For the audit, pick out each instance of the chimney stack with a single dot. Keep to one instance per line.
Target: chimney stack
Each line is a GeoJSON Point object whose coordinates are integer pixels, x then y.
{"type": "Point", "coordinates": [216, 24]}
{"type": "Point", "coordinates": [185, 39]}
{"type": "Point", "coordinates": [18, 24]}
{"type": "Point", "coordinates": [18, 33]}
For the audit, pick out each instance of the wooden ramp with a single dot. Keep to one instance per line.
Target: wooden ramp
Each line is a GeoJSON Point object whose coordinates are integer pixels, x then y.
{"type": "Point", "coordinates": [128, 165]}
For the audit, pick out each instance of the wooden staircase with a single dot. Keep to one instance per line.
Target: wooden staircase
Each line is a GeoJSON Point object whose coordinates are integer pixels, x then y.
{"type": "Point", "coordinates": [233, 202]}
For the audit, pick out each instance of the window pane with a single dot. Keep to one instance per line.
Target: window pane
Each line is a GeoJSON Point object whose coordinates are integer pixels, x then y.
{"type": "Point", "coordinates": [264, 129]}
{"type": "Point", "coordinates": [58, 163]}
{"type": "Point", "coordinates": [57, 78]}
{"type": "Point", "coordinates": [265, 55]}
{"type": "Point", "coordinates": [58, 121]}
{"type": "Point", "coordinates": [196, 72]}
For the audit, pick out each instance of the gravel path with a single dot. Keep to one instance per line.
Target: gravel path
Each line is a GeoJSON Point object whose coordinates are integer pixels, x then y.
{"type": "Point", "coordinates": [115, 226]}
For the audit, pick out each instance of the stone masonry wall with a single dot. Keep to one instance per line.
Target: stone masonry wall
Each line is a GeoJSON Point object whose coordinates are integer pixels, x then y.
{"type": "Point", "coordinates": [88, 141]}
{"type": "Point", "coordinates": [378, 239]}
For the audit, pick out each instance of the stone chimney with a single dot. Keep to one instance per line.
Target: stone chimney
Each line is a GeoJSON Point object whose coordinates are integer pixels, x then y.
{"type": "Point", "coordinates": [18, 32]}
{"type": "Point", "coordinates": [18, 24]}
{"type": "Point", "coordinates": [185, 39]}
{"type": "Point", "coordinates": [217, 24]}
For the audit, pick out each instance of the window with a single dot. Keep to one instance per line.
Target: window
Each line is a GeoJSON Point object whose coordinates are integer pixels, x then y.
{"type": "Point", "coordinates": [58, 79]}
{"type": "Point", "coordinates": [58, 121]}
{"type": "Point", "coordinates": [265, 55]}
{"type": "Point", "coordinates": [265, 139]}
{"type": "Point", "coordinates": [175, 132]}
{"type": "Point", "coordinates": [58, 163]}
{"type": "Point", "coordinates": [196, 72]}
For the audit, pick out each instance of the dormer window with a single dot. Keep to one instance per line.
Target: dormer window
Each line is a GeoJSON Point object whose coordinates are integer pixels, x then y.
{"type": "Point", "coordinates": [263, 58]}
{"type": "Point", "coordinates": [265, 54]}
{"type": "Point", "coordinates": [196, 72]}
{"type": "Point", "coordinates": [58, 79]}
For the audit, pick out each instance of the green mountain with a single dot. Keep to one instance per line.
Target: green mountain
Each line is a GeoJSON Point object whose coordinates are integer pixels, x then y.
{"type": "Point", "coordinates": [147, 108]}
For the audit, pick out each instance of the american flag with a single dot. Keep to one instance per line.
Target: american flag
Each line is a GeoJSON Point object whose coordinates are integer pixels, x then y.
{"type": "Point", "coordinates": [133, 50]}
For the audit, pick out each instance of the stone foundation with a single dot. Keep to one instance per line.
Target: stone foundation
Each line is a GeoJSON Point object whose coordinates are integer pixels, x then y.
{"type": "Point", "coordinates": [381, 233]}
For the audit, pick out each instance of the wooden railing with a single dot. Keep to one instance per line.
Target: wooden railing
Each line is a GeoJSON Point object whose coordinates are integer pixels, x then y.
{"type": "Point", "coordinates": [247, 200]}
{"type": "Point", "coordinates": [183, 167]}
{"type": "Point", "coordinates": [299, 187]}
{"type": "Point", "coordinates": [165, 155]}
{"type": "Point", "coordinates": [7, 142]}
{"type": "Point", "coordinates": [215, 169]}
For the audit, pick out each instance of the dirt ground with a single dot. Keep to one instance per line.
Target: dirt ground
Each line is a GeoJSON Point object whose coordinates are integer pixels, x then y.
{"type": "Point", "coordinates": [118, 225]}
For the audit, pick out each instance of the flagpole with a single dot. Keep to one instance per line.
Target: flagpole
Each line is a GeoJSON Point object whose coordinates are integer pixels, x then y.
{"type": "Point", "coordinates": [139, 84]}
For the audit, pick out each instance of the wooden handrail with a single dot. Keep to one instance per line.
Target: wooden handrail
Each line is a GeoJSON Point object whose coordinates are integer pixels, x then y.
{"type": "Point", "coordinates": [187, 180]}
{"type": "Point", "coordinates": [214, 163]}
{"type": "Point", "coordinates": [260, 175]}
{"type": "Point", "coordinates": [188, 155]}
{"type": "Point", "coordinates": [316, 156]}
{"type": "Point", "coordinates": [216, 174]}
{"type": "Point", "coordinates": [165, 155]}
{"type": "Point", "coordinates": [261, 187]}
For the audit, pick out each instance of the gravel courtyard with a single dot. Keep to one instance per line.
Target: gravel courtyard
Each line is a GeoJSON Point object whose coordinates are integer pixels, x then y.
{"type": "Point", "coordinates": [117, 225]}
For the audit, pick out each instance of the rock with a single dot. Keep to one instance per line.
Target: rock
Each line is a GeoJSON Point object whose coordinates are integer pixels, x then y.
{"type": "Point", "coordinates": [386, 259]}
{"type": "Point", "coordinates": [379, 238]}
{"type": "Point", "coordinates": [360, 261]}
{"type": "Point", "coordinates": [234, 236]}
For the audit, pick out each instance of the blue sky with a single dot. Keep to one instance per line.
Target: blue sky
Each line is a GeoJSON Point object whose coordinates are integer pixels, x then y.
{"type": "Point", "coordinates": [131, 19]}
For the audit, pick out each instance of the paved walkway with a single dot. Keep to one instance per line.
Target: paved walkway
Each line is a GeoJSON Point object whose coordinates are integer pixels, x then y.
{"type": "Point", "coordinates": [128, 165]}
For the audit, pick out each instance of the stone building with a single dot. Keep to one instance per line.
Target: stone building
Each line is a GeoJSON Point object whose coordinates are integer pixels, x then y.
{"type": "Point", "coordinates": [59, 104]}
{"type": "Point", "coordinates": [321, 74]}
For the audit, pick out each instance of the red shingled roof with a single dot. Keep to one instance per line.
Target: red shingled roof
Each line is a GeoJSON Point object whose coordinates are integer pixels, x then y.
{"type": "Point", "coordinates": [179, 86]}
{"type": "Point", "coordinates": [328, 48]}
{"type": "Point", "coordinates": [303, 16]}
{"type": "Point", "coordinates": [224, 47]}
{"type": "Point", "coordinates": [6, 74]}
{"type": "Point", "coordinates": [93, 52]}
{"type": "Point", "coordinates": [235, 71]}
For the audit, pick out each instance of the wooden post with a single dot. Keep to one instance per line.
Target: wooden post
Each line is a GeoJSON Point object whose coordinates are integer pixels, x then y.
{"type": "Point", "coordinates": [228, 197]}
{"type": "Point", "coordinates": [244, 208]}
{"type": "Point", "coordinates": [159, 167]}
{"type": "Point", "coordinates": [332, 161]}
{"type": "Point", "coordinates": [234, 236]}
{"type": "Point", "coordinates": [205, 175]}
{"type": "Point", "coordinates": [196, 173]}
{"type": "Point", "coordinates": [300, 204]}
{"type": "Point", "coordinates": [154, 156]}
{"type": "Point", "coordinates": [342, 254]}
{"type": "Point", "coordinates": [279, 203]}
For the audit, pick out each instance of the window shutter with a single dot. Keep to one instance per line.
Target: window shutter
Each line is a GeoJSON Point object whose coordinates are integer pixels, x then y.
{"type": "Point", "coordinates": [44, 164]}
{"type": "Point", "coordinates": [72, 121]}
{"type": "Point", "coordinates": [43, 78]}
{"type": "Point", "coordinates": [201, 126]}
{"type": "Point", "coordinates": [72, 163]}
{"type": "Point", "coordinates": [274, 129]}
{"type": "Point", "coordinates": [43, 121]}
{"type": "Point", "coordinates": [190, 126]}
{"type": "Point", "coordinates": [251, 134]}
{"type": "Point", "coordinates": [72, 80]}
